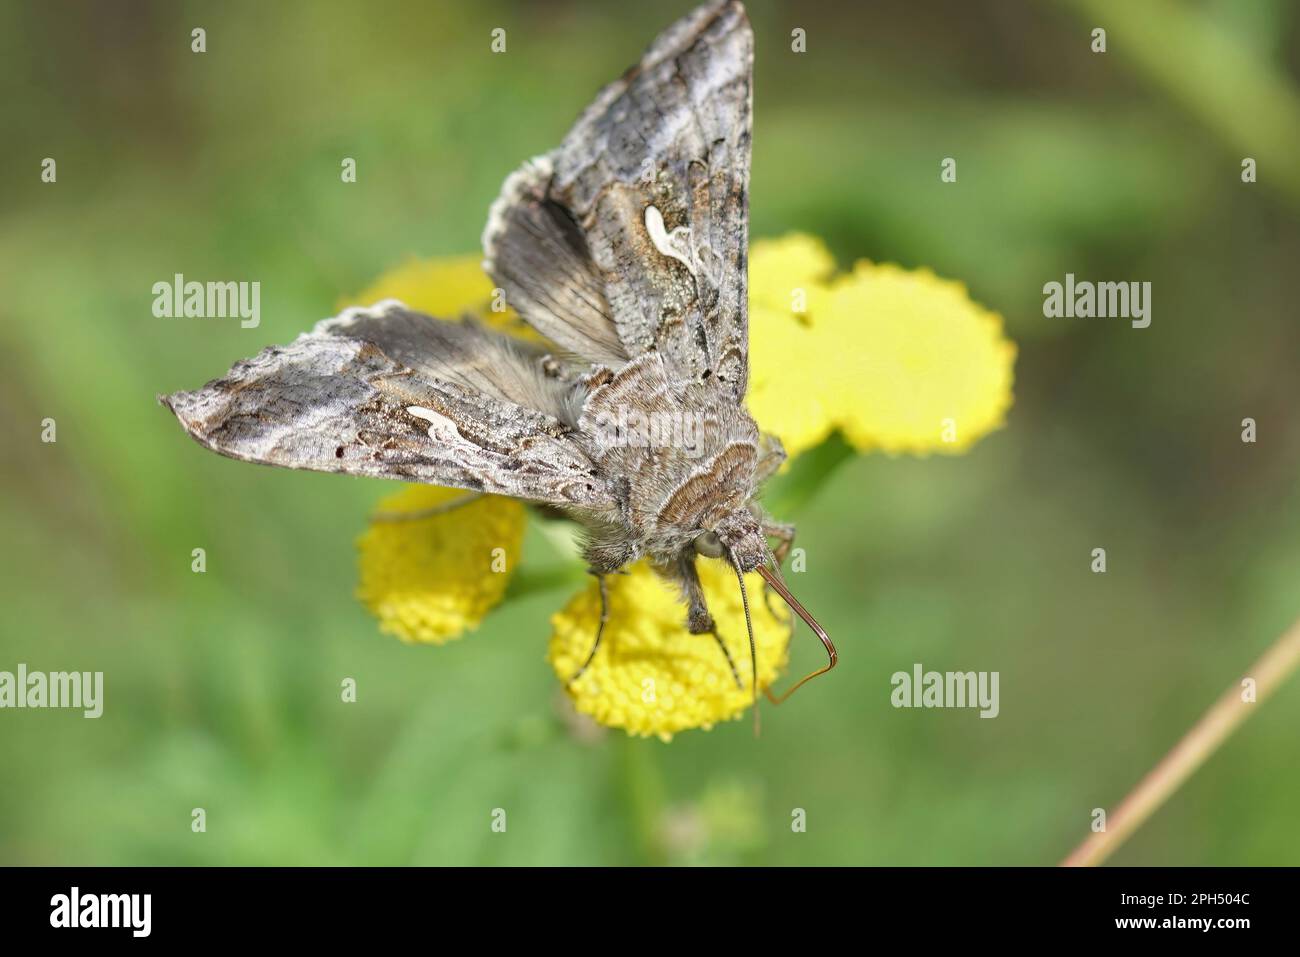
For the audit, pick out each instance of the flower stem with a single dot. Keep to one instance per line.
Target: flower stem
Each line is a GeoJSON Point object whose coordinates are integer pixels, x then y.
{"type": "Point", "coordinates": [1225, 715]}
{"type": "Point", "coordinates": [645, 793]}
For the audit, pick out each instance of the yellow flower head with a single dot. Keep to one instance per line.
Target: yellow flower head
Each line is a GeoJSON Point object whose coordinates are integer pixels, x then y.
{"type": "Point", "coordinates": [429, 579]}
{"type": "Point", "coordinates": [898, 360]}
{"type": "Point", "coordinates": [790, 275]}
{"type": "Point", "coordinates": [894, 359]}
{"type": "Point", "coordinates": [926, 369]}
{"type": "Point", "coordinates": [650, 675]}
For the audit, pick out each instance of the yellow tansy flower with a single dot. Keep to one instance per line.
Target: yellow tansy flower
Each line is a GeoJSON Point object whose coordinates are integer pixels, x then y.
{"type": "Point", "coordinates": [898, 360]}
{"type": "Point", "coordinates": [786, 372]}
{"type": "Point", "coordinates": [429, 579]}
{"type": "Point", "coordinates": [788, 291]}
{"type": "Point", "coordinates": [790, 275]}
{"type": "Point", "coordinates": [925, 368]}
{"type": "Point", "coordinates": [650, 675]}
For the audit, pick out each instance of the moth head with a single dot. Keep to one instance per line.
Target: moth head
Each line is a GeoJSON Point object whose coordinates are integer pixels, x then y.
{"type": "Point", "coordinates": [738, 538]}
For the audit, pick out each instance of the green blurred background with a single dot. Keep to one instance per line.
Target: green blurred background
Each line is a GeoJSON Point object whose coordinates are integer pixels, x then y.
{"type": "Point", "coordinates": [222, 689]}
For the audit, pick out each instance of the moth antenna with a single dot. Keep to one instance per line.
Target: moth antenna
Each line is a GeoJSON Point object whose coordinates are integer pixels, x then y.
{"type": "Point", "coordinates": [753, 655]}
{"type": "Point", "coordinates": [774, 579]}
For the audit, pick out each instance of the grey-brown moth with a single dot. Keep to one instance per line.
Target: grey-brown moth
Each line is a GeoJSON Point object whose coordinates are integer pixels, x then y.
{"type": "Point", "coordinates": [626, 249]}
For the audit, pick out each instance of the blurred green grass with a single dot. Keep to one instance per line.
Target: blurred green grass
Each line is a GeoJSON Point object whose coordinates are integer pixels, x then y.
{"type": "Point", "coordinates": [223, 689]}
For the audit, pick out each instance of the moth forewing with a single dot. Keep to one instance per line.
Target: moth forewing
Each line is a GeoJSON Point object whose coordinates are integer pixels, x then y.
{"type": "Point", "coordinates": [334, 402]}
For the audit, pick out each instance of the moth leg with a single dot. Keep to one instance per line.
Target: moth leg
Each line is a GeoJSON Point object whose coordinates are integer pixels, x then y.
{"type": "Point", "coordinates": [730, 661]}
{"type": "Point", "coordinates": [698, 619]}
{"type": "Point", "coordinates": [771, 456]}
{"type": "Point", "coordinates": [442, 509]}
{"type": "Point", "coordinates": [600, 629]}
{"type": "Point", "coordinates": [784, 533]}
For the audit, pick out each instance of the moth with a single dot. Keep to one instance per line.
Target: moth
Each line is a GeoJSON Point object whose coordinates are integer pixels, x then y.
{"type": "Point", "coordinates": [626, 249]}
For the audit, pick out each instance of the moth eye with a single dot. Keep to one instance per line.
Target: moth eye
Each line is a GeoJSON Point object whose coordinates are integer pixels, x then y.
{"type": "Point", "coordinates": [708, 544]}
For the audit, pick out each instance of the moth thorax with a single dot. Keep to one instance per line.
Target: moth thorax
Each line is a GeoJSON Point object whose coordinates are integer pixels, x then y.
{"type": "Point", "coordinates": [742, 536]}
